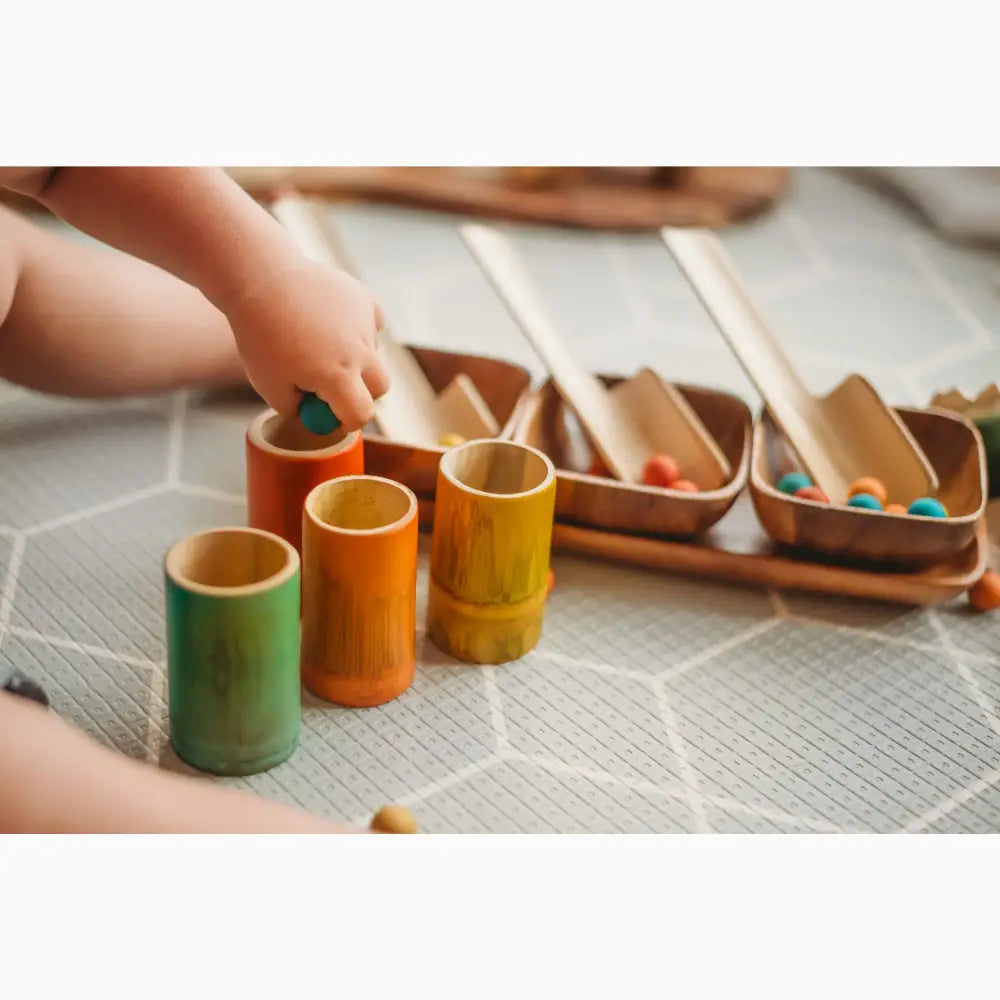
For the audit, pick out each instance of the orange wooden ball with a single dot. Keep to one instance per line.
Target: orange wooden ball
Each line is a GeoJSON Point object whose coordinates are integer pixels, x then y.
{"type": "Point", "coordinates": [393, 819]}
{"type": "Point", "coordinates": [550, 582]}
{"type": "Point", "coordinates": [895, 508]}
{"type": "Point", "coordinates": [869, 484]}
{"type": "Point", "coordinates": [597, 467]}
{"type": "Point", "coordinates": [661, 470]}
{"type": "Point", "coordinates": [685, 486]}
{"type": "Point", "coordinates": [985, 592]}
{"type": "Point", "coordinates": [812, 493]}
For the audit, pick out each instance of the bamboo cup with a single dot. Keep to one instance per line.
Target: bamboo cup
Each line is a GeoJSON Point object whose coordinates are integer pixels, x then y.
{"type": "Point", "coordinates": [284, 462]}
{"type": "Point", "coordinates": [232, 608]}
{"type": "Point", "coordinates": [359, 585]}
{"type": "Point", "coordinates": [493, 516]}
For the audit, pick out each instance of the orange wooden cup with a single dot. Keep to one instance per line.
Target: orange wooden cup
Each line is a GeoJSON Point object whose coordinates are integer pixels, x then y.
{"type": "Point", "coordinates": [359, 590]}
{"type": "Point", "coordinates": [284, 462]}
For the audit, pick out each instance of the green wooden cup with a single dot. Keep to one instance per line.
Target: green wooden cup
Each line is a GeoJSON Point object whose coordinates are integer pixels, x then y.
{"type": "Point", "coordinates": [232, 598]}
{"type": "Point", "coordinates": [989, 429]}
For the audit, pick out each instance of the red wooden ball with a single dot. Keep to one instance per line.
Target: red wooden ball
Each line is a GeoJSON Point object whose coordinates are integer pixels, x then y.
{"type": "Point", "coordinates": [812, 493]}
{"type": "Point", "coordinates": [685, 486]}
{"type": "Point", "coordinates": [661, 470]}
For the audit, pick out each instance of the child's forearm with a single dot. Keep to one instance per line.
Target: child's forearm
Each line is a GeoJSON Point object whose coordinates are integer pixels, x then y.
{"type": "Point", "coordinates": [300, 325]}
{"type": "Point", "coordinates": [55, 780]}
{"type": "Point", "coordinates": [196, 223]}
{"type": "Point", "coordinates": [79, 320]}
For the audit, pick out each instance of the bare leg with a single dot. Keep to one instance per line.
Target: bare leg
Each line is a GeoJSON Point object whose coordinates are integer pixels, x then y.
{"type": "Point", "coordinates": [55, 780]}
{"type": "Point", "coordinates": [82, 321]}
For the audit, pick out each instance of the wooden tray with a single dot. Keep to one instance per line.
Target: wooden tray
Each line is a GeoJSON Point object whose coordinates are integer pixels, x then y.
{"type": "Point", "coordinates": [738, 551]}
{"type": "Point", "coordinates": [503, 387]}
{"type": "Point", "coordinates": [640, 198]}
{"type": "Point", "coordinates": [954, 448]}
{"type": "Point", "coordinates": [546, 423]}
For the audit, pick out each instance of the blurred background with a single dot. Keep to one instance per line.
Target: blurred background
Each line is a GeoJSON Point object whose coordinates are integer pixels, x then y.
{"type": "Point", "coordinates": [963, 203]}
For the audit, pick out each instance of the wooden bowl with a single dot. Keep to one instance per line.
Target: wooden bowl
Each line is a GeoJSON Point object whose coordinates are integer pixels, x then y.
{"type": "Point", "coordinates": [953, 446]}
{"type": "Point", "coordinates": [503, 387]}
{"type": "Point", "coordinates": [546, 423]}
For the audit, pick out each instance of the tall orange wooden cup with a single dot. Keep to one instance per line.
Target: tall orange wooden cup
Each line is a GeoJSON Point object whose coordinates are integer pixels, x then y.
{"type": "Point", "coordinates": [284, 462]}
{"type": "Point", "coordinates": [359, 590]}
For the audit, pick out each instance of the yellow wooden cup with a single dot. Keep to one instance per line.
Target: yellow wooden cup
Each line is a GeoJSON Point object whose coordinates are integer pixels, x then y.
{"type": "Point", "coordinates": [493, 511]}
{"type": "Point", "coordinates": [359, 590]}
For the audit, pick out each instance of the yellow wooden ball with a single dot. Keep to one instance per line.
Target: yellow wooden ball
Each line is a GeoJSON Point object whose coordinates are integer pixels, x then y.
{"type": "Point", "coordinates": [450, 440]}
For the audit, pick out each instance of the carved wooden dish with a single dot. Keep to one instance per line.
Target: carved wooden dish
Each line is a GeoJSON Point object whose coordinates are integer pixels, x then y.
{"type": "Point", "coordinates": [955, 450]}
{"type": "Point", "coordinates": [546, 423]}
{"type": "Point", "coordinates": [502, 386]}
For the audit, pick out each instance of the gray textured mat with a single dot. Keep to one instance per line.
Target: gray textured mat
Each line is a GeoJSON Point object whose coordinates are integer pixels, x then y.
{"type": "Point", "coordinates": [654, 703]}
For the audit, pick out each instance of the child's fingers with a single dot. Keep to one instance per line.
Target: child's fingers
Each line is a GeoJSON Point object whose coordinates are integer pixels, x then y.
{"type": "Point", "coordinates": [376, 379]}
{"type": "Point", "coordinates": [278, 394]}
{"type": "Point", "coordinates": [349, 398]}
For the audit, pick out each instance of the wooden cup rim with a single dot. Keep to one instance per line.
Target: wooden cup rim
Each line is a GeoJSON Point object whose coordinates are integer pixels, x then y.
{"type": "Point", "coordinates": [255, 433]}
{"type": "Point", "coordinates": [449, 458]}
{"type": "Point", "coordinates": [181, 550]}
{"type": "Point", "coordinates": [384, 529]}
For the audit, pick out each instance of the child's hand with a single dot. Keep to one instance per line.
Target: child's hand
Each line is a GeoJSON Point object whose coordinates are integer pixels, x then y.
{"type": "Point", "coordinates": [311, 328]}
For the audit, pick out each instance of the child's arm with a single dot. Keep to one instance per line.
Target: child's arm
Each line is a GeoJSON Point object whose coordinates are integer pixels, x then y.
{"type": "Point", "coordinates": [299, 325]}
{"type": "Point", "coordinates": [79, 320]}
{"type": "Point", "coordinates": [55, 780]}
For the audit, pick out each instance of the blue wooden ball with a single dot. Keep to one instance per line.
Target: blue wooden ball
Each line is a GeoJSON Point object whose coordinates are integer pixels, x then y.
{"type": "Point", "coordinates": [316, 416]}
{"type": "Point", "coordinates": [927, 507]}
{"type": "Point", "coordinates": [792, 481]}
{"type": "Point", "coordinates": [864, 500]}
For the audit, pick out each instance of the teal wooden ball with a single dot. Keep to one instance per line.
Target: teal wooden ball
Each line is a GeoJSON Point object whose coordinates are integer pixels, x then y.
{"type": "Point", "coordinates": [865, 501]}
{"type": "Point", "coordinates": [316, 416]}
{"type": "Point", "coordinates": [927, 507]}
{"type": "Point", "coordinates": [792, 481]}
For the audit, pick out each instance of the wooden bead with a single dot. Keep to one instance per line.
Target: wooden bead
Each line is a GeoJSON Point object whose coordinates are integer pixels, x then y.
{"type": "Point", "coordinates": [865, 501]}
{"type": "Point", "coordinates": [597, 467]}
{"type": "Point", "coordinates": [316, 416]}
{"type": "Point", "coordinates": [450, 440]}
{"type": "Point", "coordinates": [927, 507]}
{"type": "Point", "coordinates": [685, 486]}
{"type": "Point", "coordinates": [985, 593]}
{"type": "Point", "coordinates": [792, 481]}
{"type": "Point", "coordinates": [661, 470]}
{"type": "Point", "coordinates": [870, 485]}
{"type": "Point", "coordinates": [895, 508]}
{"type": "Point", "coordinates": [550, 582]}
{"type": "Point", "coordinates": [812, 493]}
{"type": "Point", "coordinates": [394, 819]}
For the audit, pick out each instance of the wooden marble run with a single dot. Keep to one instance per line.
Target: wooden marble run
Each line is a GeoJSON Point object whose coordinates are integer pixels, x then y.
{"type": "Point", "coordinates": [639, 417]}
{"type": "Point", "coordinates": [838, 438]}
